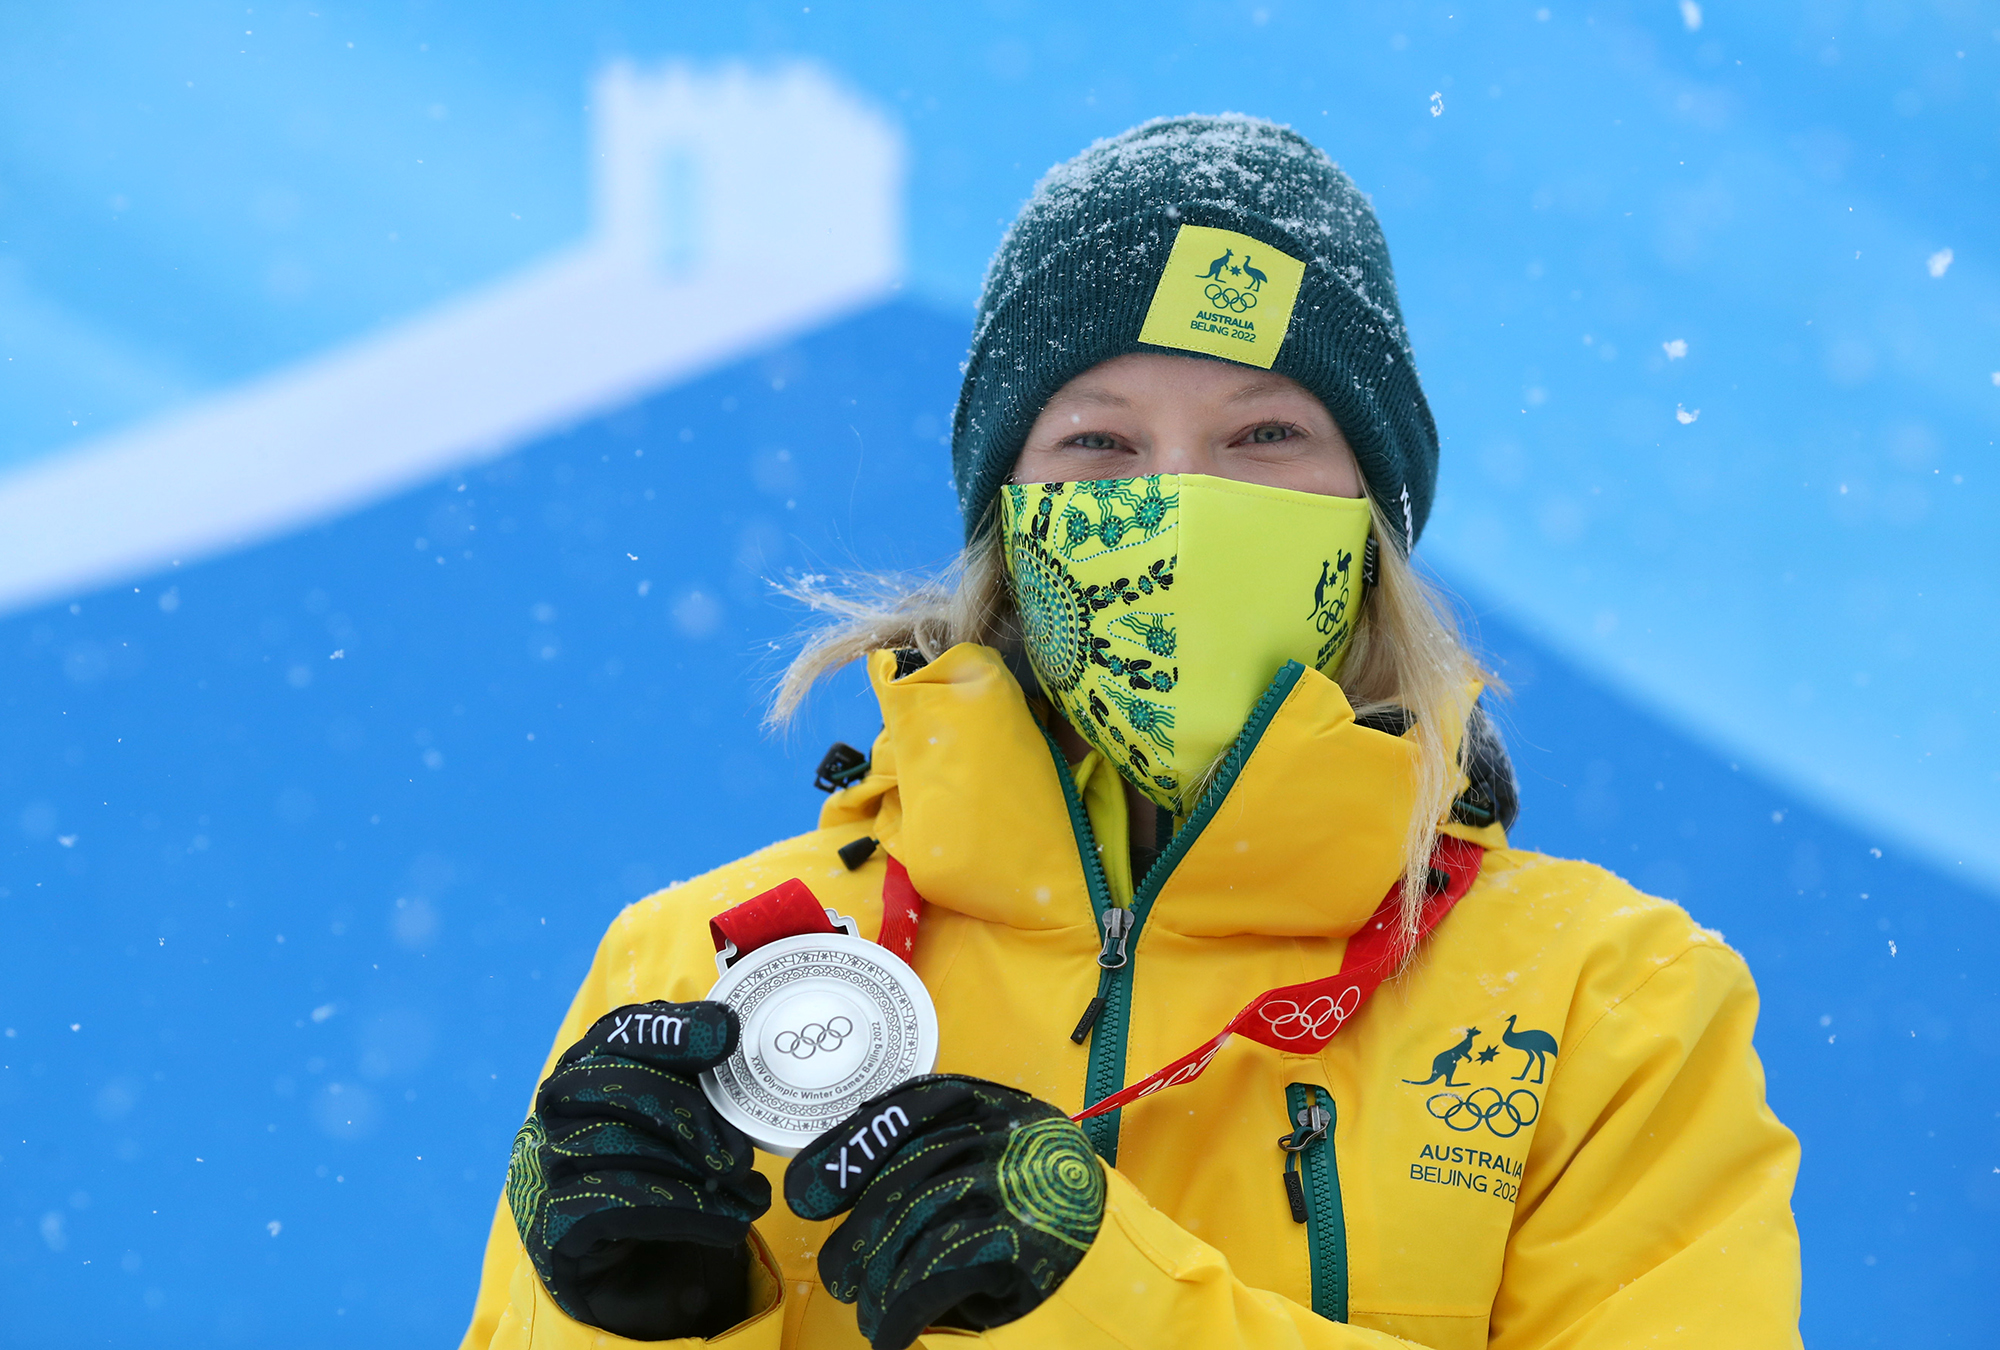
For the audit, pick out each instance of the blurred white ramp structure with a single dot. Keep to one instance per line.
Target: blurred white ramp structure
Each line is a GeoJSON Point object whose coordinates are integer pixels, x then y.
{"type": "Point", "coordinates": [734, 208]}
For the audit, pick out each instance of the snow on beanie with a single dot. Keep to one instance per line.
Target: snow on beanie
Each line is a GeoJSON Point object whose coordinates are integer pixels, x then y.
{"type": "Point", "coordinates": [1227, 237]}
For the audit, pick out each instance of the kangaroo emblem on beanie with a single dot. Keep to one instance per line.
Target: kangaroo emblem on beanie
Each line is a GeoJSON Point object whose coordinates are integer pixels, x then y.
{"type": "Point", "coordinates": [1225, 237]}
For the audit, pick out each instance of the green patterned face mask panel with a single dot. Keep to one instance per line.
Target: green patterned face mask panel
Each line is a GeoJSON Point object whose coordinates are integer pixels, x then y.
{"type": "Point", "coordinates": [1157, 609]}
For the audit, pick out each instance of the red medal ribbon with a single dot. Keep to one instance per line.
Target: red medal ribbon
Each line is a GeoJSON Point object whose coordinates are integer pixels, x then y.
{"type": "Point", "coordinates": [1298, 1018]}
{"type": "Point", "coordinates": [902, 911]}
{"type": "Point", "coordinates": [1302, 1018]}
{"type": "Point", "coordinates": [789, 909]}
{"type": "Point", "coordinates": [786, 910]}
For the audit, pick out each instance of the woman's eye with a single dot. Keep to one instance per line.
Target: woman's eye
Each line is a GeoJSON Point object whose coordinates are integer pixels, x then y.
{"type": "Point", "coordinates": [1093, 440]}
{"type": "Point", "coordinates": [1269, 433]}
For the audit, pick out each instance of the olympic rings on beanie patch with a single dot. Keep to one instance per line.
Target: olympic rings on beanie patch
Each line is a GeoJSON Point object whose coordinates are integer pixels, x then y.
{"type": "Point", "coordinates": [1229, 298]}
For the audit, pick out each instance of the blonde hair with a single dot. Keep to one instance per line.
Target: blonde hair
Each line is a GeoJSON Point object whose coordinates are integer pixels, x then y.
{"type": "Point", "coordinates": [1407, 660]}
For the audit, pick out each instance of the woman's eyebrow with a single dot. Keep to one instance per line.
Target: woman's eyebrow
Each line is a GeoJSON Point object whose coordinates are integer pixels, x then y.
{"type": "Point", "coordinates": [1256, 388]}
{"type": "Point", "coordinates": [1101, 397]}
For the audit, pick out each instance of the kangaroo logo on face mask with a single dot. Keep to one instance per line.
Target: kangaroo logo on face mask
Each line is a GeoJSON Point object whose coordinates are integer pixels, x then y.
{"type": "Point", "coordinates": [1156, 610]}
{"type": "Point", "coordinates": [1333, 608]}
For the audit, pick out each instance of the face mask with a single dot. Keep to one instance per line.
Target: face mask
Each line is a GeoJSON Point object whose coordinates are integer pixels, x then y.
{"type": "Point", "coordinates": [1156, 610]}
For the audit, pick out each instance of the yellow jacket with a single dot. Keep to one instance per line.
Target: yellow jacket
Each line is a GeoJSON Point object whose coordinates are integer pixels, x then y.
{"type": "Point", "coordinates": [1549, 1131]}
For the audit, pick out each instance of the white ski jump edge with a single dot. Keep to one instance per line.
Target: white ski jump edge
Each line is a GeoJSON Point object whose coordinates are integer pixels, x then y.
{"type": "Point", "coordinates": [734, 209]}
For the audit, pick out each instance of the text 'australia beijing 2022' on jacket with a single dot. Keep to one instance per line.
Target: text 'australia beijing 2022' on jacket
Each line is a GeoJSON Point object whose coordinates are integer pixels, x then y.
{"type": "Point", "coordinates": [1550, 1129]}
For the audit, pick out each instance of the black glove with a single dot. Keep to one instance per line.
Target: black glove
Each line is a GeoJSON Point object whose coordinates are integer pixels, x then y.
{"type": "Point", "coordinates": [971, 1201]}
{"type": "Point", "coordinates": [633, 1197]}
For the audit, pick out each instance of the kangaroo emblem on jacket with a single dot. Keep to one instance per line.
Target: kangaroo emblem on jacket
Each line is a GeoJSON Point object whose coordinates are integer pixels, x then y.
{"type": "Point", "coordinates": [1499, 1110]}
{"type": "Point", "coordinates": [1446, 1063]}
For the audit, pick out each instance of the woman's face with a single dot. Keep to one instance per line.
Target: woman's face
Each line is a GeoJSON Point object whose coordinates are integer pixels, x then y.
{"type": "Point", "coordinates": [1150, 413]}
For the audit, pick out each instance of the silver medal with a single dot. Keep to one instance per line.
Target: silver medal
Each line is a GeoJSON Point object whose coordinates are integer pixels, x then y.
{"type": "Point", "coordinates": [829, 1021]}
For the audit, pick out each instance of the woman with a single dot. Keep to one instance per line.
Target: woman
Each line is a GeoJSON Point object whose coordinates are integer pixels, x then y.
{"type": "Point", "coordinates": [1185, 728]}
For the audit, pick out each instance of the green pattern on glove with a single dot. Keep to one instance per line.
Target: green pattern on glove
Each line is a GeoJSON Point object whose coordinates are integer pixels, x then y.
{"type": "Point", "coordinates": [624, 1147]}
{"type": "Point", "coordinates": [1051, 1181]}
{"type": "Point", "coordinates": [971, 1202]}
{"type": "Point", "coordinates": [527, 1183]}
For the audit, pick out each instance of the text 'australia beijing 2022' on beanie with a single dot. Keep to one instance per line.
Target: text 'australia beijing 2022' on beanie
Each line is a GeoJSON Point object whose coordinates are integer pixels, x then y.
{"type": "Point", "coordinates": [1226, 237]}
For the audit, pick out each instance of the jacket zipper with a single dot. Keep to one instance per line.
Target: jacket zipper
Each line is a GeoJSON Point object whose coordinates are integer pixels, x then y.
{"type": "Point", "coordinates": [1117, 924]}
{"type": "Point", "coordinates": [1106, 1020]}
{"type": "Point", "coordinates": [1312, 1185]}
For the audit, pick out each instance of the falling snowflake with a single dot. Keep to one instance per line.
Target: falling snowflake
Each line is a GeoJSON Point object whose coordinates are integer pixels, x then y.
{"type": "Point", "coordinates": [1683, 416]}
{"type": "Point", "coordinates": [1938, 262]}
{"type": "Point", "coordinates": [1437, 104]}
{"type": "Point", "coordinates": [1676, 349]}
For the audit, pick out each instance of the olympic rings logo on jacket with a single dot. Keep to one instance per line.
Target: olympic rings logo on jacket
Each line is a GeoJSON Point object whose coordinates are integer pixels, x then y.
{"type": "Point", "coordinates": [1504, 1117]}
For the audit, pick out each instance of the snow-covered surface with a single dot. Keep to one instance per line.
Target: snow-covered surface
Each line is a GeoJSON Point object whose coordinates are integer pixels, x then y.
{"type": "Point", "coordinates": [735, 208]}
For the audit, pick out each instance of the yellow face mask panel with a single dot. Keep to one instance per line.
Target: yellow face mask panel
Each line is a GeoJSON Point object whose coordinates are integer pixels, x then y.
{"type": "Point", "coordinates": [1156, 610]}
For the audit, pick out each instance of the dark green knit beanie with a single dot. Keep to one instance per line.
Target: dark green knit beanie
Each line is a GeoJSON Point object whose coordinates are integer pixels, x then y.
{"type": "Point", "coordinates": [1191, 235]}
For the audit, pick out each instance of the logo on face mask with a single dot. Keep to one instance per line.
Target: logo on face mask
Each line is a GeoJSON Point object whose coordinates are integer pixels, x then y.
{"type": "Point", "coordinates": [1332, 611]}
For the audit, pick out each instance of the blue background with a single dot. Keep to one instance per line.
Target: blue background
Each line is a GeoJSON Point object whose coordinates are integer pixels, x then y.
{"type": "Point", "coordinates": [313, 919]}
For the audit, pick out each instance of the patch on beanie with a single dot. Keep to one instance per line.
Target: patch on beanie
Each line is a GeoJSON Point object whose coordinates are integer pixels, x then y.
{"type": "Point", "coordinates": [1224, 294]}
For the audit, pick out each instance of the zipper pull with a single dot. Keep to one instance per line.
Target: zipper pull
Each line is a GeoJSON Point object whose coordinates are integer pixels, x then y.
{"type": "Point", "coordinates": [1117, 924]}
{"type": "Point", "coordinates": [1295, 1189]}
{"type": "Point", "coordinates": [1313, 1123]}
{"type": "Point", "coordinates": [1088, 1020]}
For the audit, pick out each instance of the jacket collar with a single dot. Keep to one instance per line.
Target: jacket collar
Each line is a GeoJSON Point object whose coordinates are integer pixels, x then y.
{"type": "Point", "coordinates": [1304, 838]}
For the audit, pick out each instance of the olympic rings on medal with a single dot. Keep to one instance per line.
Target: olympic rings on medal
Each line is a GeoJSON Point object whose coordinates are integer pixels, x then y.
{"type": "Point", "coordinates": [1504, 1117]}
{"type": "Point", "coordinates": [1289, 1022]}
{"type": "Point", "coordinates": [1229, 298]}
{"type": "Point", "coordinates": [812, 1038]}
